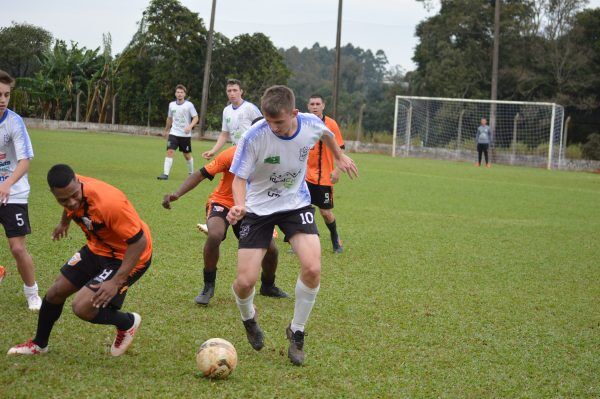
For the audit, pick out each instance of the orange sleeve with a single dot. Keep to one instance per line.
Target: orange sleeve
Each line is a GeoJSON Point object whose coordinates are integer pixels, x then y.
{"type": "Point", "coordinates": [221, 163]}
{"type": "Point", "coordinates": [335, 129]}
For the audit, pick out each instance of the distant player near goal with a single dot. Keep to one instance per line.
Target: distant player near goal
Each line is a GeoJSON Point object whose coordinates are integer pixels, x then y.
{"type": "Point", "coordinates": [15, 154]}
{"type": "Point", "coordinates": [321, 174]}
{"type": "Point", "coordinates": [117, 253]}
{"type": "Point", "coordinates": [268, 190]}
{"type": "Point", "coordinates": [181, 119]}
{"type": "Point", "coordinates": [218, 205]}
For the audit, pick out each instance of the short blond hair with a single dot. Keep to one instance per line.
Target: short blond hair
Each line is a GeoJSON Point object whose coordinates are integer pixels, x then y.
{"type": "Point", "coordinates": [277, 99]}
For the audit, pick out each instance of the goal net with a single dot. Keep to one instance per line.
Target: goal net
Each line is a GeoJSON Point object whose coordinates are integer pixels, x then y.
{"type": "Point", "coordinates": [522, 133]}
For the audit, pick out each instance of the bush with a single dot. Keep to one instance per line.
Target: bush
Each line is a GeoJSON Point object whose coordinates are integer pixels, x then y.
{"type": "Point", "coordinates": [574, 151]}
{"type": "Point", "coordinates": [591, 149]}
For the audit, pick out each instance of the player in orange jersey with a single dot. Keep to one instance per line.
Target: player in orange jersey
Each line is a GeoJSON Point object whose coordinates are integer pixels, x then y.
{"type": "Point", "coordinates": [117, 253]}
{"type": "Point", "coordinates": [321, 174]}
{"type": "Point", "coordinates": [218, 205]}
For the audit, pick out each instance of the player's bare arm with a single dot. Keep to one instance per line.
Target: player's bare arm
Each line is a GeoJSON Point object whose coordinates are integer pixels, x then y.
{"type": "Point", "coordinates": [20, 170]}
{"type": "Point", "coordinates": [61, 230]}
{"type": "Point", "coordinates": [193, 123]}
{"type": "Point", "coordinates": [221, 140]}
{"type": "Point", "coordinates": [108, 289]}
{"type": "Point", "coordinates": [168, 126]}
{"type": "Point", "coordinates": [189, 184]}
{"type": "Point", "coordinates": [238, 211]}
{"type": "Point", "coordinates": [343, 162]}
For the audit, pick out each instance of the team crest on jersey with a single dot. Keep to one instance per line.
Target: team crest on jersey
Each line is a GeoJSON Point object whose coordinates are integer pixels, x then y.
{"type": "Point", "coordinates": [75, 259]}
{"type": "Point", "coordinates": [244, 231]}
{"type": "Point", "coordinates": [303, 153]}
{"type": "Point", "coordinates": [218, 208]}
{"type": "Point", "coordinates": [273, 159]}
{"type": "Point", "coordinates": [88, 222]}
{"type": "Point", "coordinates": [288, 178]}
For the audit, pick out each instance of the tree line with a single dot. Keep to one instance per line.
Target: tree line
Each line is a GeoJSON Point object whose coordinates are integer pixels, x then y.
{"type": "Point", "coordinates": [549, 51]}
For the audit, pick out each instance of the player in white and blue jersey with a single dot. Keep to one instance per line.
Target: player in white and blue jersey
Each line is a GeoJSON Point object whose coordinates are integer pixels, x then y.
{"type": "Point", "coordinates": [269, 189]}
{"type": "Point", "coordinates": [237, 117]}
{"type": "Point", "coordinates": [181, 119]}
{"type": "Point", "coordinates": [15, 154]}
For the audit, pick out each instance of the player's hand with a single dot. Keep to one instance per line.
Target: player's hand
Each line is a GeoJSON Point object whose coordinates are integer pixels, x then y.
{"type": "Point", "coordinates": [60, 231]}
{"type": "Point", "coordinates": [235, 214]}
{"type": "Point", "coordinates": [347, 165]}
{"type": "Point", "coordinates": [4, 193]}
{"type": "Point", "coordinates": [208, 154]}
{"type": "Point", "coordinates": [335, 176]}
{"type": "Point", "coordinates": [187, 129]}
{"type": "Point", "coordinates": [168, 198]}
{"type": "Point", "coordinates": [106, 291]}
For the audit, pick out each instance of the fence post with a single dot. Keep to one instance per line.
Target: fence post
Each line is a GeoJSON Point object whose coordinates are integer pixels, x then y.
{"type": "Point", "coordinates": [459, 138]}
{"type": "Point", "coordinates": [408, 126]}
{"type": "Point", "coordinates": [513, 143]}
{"type": "Point", "coordinates": [114, 103]}
{"type": "Point", "coordinates": [551, 143]}
{"type": "Point", "coordinates": [395, 128]}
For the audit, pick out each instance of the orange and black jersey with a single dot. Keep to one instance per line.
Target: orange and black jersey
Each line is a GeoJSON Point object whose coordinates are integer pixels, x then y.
{"type": "Point", "coordinates": [109, 221]}
{"type": "Point", "coordinates": [223, 193]}
{"type": "Point", "coordinates": [320, 159]}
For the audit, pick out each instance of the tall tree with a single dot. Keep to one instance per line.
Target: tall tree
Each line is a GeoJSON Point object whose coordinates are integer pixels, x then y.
{"type": "Point", "coordinates": [22, 47]}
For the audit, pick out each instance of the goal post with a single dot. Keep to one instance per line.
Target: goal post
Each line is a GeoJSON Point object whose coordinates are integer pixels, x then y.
{"type": "Point", "coordinates": [522, 133]}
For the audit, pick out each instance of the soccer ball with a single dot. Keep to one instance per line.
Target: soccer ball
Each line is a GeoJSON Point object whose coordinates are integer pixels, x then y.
{"type": "Point", "coordinates": [216, 358]}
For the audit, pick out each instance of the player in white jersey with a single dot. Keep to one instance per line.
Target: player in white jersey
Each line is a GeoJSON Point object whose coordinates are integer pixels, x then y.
{"type": "Point", "coordinates": [181, 119]}
{"type": "Point", "coordinates": [269, 189]}
{"type": "Point", "coordinates": [237, 117]}
{"type": "Point", "coordinates": [15, 154]}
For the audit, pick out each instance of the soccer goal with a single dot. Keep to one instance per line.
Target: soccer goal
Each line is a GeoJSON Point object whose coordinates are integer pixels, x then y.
{"type": "Point", "coordinates": [523, 133]}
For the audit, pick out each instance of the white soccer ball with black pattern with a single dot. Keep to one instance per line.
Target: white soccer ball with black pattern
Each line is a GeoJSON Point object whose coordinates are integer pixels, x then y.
{"type": "Point", "coordinates": [216, 358]}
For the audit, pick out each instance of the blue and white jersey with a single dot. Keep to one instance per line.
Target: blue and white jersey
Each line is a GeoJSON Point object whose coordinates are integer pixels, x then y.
{"type": "Point", "coordinates": [275, 166]}
{"type": "Point", "coordinates": [483, 135]}
{"type": "Point", "coordinates": [14, 146]}
{"type": "Point", "coordinates": [237, 120]}
{"type": "Point", "coordinates": [182, 115]}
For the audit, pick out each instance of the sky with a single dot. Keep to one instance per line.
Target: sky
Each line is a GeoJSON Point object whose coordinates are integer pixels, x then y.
{"type": "Point", "coordinates": [388, 25]}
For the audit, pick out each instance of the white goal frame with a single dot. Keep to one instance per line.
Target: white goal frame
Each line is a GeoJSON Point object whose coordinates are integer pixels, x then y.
{"type": "Point", "coordinates": [410, 121]}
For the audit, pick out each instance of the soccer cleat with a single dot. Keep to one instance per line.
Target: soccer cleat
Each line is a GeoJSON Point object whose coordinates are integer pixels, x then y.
{"type": "Point", "coordinates": [273, 291]}
{"type": "Point", "coordinates": [339, 248]}
{"type": "Point", "coordinates": [488, 165]}
{"type": "Point", "coordinates": [34, 302]}
{"type": "Point", "coordinates": [163, 177]}
{"type": "Point", "coordinates": [295, 350]}
{"type": "Point", "coordinates": [28, 348]}
{"type": "Point", "coordinates": [477, 164]}
{"type": "Point", "coordinates": [2, 273]}
{"type": "Point", "coordinates": [254, 333]}
{"type": "Point", "coordinates": [202, 228]}
{"type": "Point", "coordinates": [207, 292]}
{"type": "Point", "coordinates": [124, 338]}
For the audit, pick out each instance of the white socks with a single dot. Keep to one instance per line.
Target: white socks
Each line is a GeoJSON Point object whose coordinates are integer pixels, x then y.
{"type": "Point", "coordinates": [245, 305]}
{"type": "Point", "coordinates": [305, 300]}
{"type": "Point", "coordinates": [30, 291]}
{"type": "Point", "coordinates": [190, 165]}
{"type": "Point", "coordinates": [167, 166]}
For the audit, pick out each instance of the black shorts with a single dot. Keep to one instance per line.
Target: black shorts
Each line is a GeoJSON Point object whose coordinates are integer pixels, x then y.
{"type": "Point", "coordinates": [216, 210]}
{"type": "Point", "coordinates": [321, 196]}
{"type": "Point", "coordinates": [257, 231]}
{"type": "Point", "coordinates": [183, 143]}
{"type": "Point", "coordinates": [86, 268]}
{"type": "Point", "coordinates": [15, 219]}
{"type": "Point", "coordinates": [482, 147]}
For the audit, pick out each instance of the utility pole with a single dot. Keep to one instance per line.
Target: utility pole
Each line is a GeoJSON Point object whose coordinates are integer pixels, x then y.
{"type": "Point", "coordinates": [336, 70]}
{"type": "Point", "coordinates": [495, 68]}
{"type": "Point", "coordinates": [205, 83]}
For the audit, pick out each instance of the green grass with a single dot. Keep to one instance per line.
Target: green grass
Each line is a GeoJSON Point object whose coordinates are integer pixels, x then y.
{"type": "Point", "coordinates": [455, 282]}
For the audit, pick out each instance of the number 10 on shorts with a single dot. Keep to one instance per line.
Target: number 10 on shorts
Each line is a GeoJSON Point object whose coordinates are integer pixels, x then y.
{"type": "Point", "coordinates": [307, 218]}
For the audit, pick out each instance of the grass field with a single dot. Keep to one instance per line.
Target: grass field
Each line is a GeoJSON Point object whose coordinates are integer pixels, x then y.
{"type": "Point", "coordinates": [455, 282]}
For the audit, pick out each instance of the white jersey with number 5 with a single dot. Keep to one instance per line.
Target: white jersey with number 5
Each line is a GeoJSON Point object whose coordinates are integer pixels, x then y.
{"type": "Point", "coordinates": [275, 166]}
{"type": "Point", "coordinates": [182, 115]}
{"type": "Point", "coordinates": [237, 120]}
{"type": "Point", "coordinates": [15, 145]}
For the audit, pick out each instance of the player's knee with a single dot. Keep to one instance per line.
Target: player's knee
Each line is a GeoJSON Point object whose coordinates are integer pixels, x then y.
{"type": "Point", "coordinates": [312, 270]}
{"type": "Point", "coordinates": [82, 309]}
{"type": "Point", "coordinates": [244, 283]}
{"type": "Point", "coordinates": [214, 239]}
{"type": "Point", "coordinates": [18, 249]}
